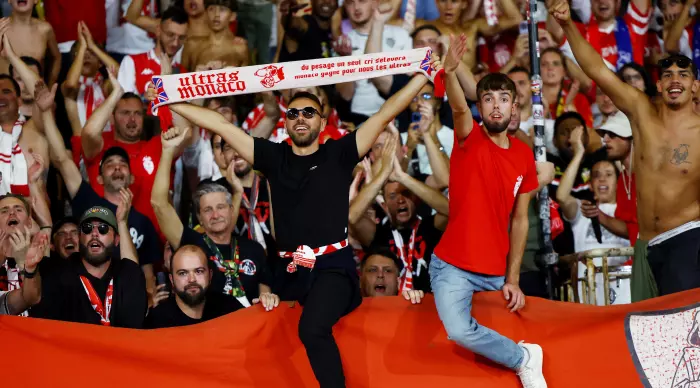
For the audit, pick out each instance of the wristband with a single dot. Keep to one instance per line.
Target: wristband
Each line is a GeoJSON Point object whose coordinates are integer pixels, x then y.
{"type": "Point", "coordinates": [28, 275]}
{"type": "Point", "coordinates": [46, 227]}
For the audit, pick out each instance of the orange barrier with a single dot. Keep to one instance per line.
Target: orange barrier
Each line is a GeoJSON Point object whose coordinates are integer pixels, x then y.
{"type": "Point", "coordinates": [387, 342]}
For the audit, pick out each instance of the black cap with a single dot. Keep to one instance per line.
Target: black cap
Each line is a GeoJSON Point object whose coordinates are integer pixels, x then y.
{"type": "Point", "coordinates": [65, 220]}
{"type": "Point", "coordinates": [119, 151]}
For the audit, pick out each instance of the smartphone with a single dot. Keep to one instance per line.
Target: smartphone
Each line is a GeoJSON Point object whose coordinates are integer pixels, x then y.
{"type": "Point", "coordinates": [415, 117]}
{"type": "Point", "coordinates": [523, 28]}
{"type": "Point", "coordinates": [162, 278]}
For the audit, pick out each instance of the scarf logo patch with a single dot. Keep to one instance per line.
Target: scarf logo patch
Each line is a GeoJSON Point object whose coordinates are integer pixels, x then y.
{"type": "Point", "coordinates": [270, 75]}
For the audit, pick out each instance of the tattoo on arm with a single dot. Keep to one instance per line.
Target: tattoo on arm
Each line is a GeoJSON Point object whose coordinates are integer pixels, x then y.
{"type": "Point", "coordinates": [680, 155]}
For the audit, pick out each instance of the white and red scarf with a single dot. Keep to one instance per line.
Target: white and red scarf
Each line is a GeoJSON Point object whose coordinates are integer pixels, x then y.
{"type": "Point", "coordinates": [90, 97]}
{"type": "Point", "coordinates": [13, 165]}
{"type": "Point", "coordinates": [407, 255]}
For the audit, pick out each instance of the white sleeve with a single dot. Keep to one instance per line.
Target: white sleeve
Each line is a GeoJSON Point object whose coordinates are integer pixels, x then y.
{"type": "Point", "coordinates": [4, 308]}
{"type": "Point", "coordinates": [577, 218]}
{"type": "Point", "coordinates": [582, 9]}
{"type": "Point", "coordinates": [127, 74]}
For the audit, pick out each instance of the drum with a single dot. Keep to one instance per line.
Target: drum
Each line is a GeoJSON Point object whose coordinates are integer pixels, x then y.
{"type": "Point", "coordinates": [618, 282]}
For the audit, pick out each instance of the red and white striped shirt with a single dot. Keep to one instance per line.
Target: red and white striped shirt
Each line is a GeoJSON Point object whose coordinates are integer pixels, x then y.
{"type": "Point", "coordinates": [136, 71]}
{"type": "Point", "coordinates": [606, 46]}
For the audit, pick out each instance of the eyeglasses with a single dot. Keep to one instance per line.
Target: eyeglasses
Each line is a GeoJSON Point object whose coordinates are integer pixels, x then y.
{"type": "Point", "coordinates": [86, 228]}
{"type": "Point", "coordinates": [307, 112]}
{"type": "Point", "coordinates": [680, 61]}
{"type": "Point", "coordinates": [602, 133]}
{"type": "Point", "coordinates": [424, 96]}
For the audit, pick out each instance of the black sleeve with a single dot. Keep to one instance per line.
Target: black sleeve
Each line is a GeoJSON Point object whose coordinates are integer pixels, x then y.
{"type": "Point", "coordinates": [150, 251]}
{"type": "Point", "coordinates": [191, 237]}
{"type": "Point", "coordinates": [345, 149]}
{"type": "Point", "coordinates": [267, 156]}
{"type": "Point", "coordinates": [51, 296]}
{"type": "Point", "coordinates": [134, 294]}
{"type": "Point", "coordinates": [84, 199]}
{"type": "Point", "coordinates": [257, 254]}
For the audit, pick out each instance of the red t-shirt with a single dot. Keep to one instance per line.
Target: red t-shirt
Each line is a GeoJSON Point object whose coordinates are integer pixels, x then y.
{"type": "Point", "coordinates": [64, 15]}
{"type": "Point", "coordinates": [605, 43]}
{"type": "Point", "coordinates": [485, 182]}
{"type": "Point", "coordinates": [627, 207]}
{"type": "Point", "coordinates": [144, 158]}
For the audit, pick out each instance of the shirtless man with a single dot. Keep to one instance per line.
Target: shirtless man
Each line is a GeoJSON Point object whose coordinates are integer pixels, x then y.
{"type": "Point", "coordinates": [666, 157]}
{"type": "Point", "coordinates": [198, 26]}
{"type": "Point", "coordinates": [33, 38]}
{"type": "Point", "coordinates": [30, 140]}
{"type": "Point", "coordinates": [221, 45]}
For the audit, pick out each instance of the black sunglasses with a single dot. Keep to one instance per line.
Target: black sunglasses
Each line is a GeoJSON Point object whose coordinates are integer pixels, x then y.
{"type": "Point", "coordinates": [602, 133]}
{"type": "Point", "coordinates": [682, 62]}
{"type": "Point", "coordinates": [307, 112]}
{"type": "Point", "coordinates": [86, 228]}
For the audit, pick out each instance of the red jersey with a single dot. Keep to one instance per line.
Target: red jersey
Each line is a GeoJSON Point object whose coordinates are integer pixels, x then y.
{"type": "Point", "coordinates": [136, 71]}
{"type": "Point", "coordinates": [582, 102]}
{"type": "Point", "coordinates": [144, 157]}
{"type": "Point", "coordinates": [482, 195]}
{"type": "Point", "coordinates": [627, 205]}
{"type": "Point", "coordinates": [496, 50]}
{"type": "Point", "coordinates": [64, 15]}
{"type": "Point", "coordinates": [605, 43]}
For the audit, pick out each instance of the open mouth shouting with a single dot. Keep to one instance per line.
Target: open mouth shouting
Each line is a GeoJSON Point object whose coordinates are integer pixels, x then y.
{"type": "Point", "coordinates": [95, 246]}
{"type": "Point", "coordinates": [675, 91]}
{"type": "Point", "coordinates": [70, 247]}
{"type": "Point", "coordinates": [12, 221]}
{"type": "Point", "coordinates": [380, 289]}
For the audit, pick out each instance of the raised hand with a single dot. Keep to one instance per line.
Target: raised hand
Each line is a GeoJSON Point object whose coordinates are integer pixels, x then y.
{"type": "Point", "coordinates": [112, 73]}
{"type": "Point", "coordinates": [576, 140]}
{"type": "Point", "coordinates": [426, 117]}
{"type": "Point", "coordinates": [36, 252]}
{"type": "Point", "coordinates": [124, 207]}
{"type": "Point", "coordinates": [174, 137]}
{"type": "Point", "coordinates": [151, 93]}
{"type": "Point", "coordinates": [166, 63]}
{"type": "Point", "coordinates": [383, 12]}
{"type": "Point", "coordinates": [85, 32]}
{"type": "Point", "coordinates": [160, 295]}
{"type": "Point", "coordinates": [342, 46]}
{"type": "Point", "coordinates": [388, 154]}
{"type": "Point", "coordinates": [81, 38]}
{"type": "Point", "coordinates": [367, 166]}
{"type": "Point", "coordinates": [6, 48]}
{"type": "Point", "coordinates": [232, 178]}
{"type": "Point", "coordinates": [397, 173]}
{"type": "Point", "coordinates": [43, 97]}
{"type": "Point", "coordinates": [458, 46]}
{"type": "Point", "coordinates": [20, 241]}
{"type": "Point", "coordinates": [560, 11]}
{"type": "Point", "coordinates": [36, 170]}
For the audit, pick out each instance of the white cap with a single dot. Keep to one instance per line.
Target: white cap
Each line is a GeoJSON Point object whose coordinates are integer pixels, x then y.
{"type": "Point", "coordinates": [618, 124]}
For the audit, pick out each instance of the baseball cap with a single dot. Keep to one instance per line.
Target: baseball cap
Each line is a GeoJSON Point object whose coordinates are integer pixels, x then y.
{"type": "Point", "coordinates": [63, 221]}
{"type": "Point", "coordinates": [111, 151]}
{"type": "Point", "coordinates": [617, 124]}
{"type": "Point", "coordinates": [100, 213]}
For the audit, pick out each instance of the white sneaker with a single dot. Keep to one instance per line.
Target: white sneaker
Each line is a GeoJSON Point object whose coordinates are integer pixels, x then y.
{"type": "Point", "coordinates": [531, 373]}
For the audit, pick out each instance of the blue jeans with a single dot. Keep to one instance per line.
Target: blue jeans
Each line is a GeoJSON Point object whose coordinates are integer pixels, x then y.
{"type": "Point", "coordinates": [453, 289]}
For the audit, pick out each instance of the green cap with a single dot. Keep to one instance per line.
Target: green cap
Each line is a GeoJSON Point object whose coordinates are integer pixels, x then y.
{"type": "Point", "coordinates": [100, 213]}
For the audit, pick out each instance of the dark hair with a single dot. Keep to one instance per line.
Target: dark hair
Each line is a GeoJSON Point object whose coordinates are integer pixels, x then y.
{"type": "Point", "coordinates": [29, 61]}
{"type": "Point", "coordinates": [493, 82]}
{"type": "Point", "coordinates": [555, 50]}
{"type": "Point", "coordinates": [649, 87]}
{"type": "Point", "coordinates": [566, 116]}
{"type": "Point", "coordinates": [176, 14]}
{"type": "Point", "coordinates": [25, 203]}
{"type": "Point", "coordinates": [211, 140]}
{"type": "Point", "coordinates": [519, 69]}
{"type": "Point", "coordinates": [674, 59]}
{"type": "Point", "coordinates": [423, 28]}
{"type": "Point", "coordinates": [228, 101]}
{"type": "Point", "coordinates": [230, 4]}
{"type": "Point", "coordinates": [15, 85]}
{"type": "Point", "coordinates": [127, 96]}
{"type": "Point", "coordinates": [381, 250]}
{"type": "Point", "coordinates": [617, 172]}
{"type": "Point", "coordinates": [115, 151]}
{"type": "Point", "coordinates": [308, 96]}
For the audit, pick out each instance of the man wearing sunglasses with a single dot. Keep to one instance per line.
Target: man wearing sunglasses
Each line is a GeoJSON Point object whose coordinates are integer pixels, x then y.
{"type": "Point", "coordinates": [666, 161]}
{"type": "Point", "coordinates": [97, 287]}
{"type": "Point", "coordinates": [300, 176]}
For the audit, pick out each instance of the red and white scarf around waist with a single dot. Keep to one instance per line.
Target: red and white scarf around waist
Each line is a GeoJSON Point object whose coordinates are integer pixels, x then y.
{"type": "Point", "coordinates": [13, 165]}
{"type": "Point", "coordinates": [90, 97]}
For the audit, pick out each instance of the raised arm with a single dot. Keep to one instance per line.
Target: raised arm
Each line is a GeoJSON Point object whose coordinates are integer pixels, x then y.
{"type": "Point", "coordinates": [427, 194]}
{"type": "Point", "coordinates": [135, 17]}
{"type": "Point", "coordinates": [511, 18]}
{"type": "Point", "coordinates": [43, 98]}
{"type": "Point", "coordinates": [170, 223]}
{"type": "Point", "coordinates": [628, 99]}
{"type": "Point", "coordinates": [91, 136]}
{"type": "Point", "coordinates": [462, 115]}
{"type": "Point", "coordinates": [272, 116]}
{"type": "Point", "coordinates": [37, 192]}
{"type": "Point", "coordinates": [374, 43]}
{"type": "Point", "coordinates": [569, 204]}
{"type": "Point", "coordinates": [104, 58]}
{"type": "Point", "coordinates": [370, 130]}
{"type": "Point", "coordinates": [71, 86]}
{"type": "Point", "coordinates": [28, 76]}
{"type": "Point", "coordinates": [294, 26]}
{"type": "Point", "coordinates": [54, 56]}
{"type": "Point", "coordinates": [30, 293]}
{"type": "Point", "coordinates": [672, 38]}
{"type": "Point", "coordinates": [438, 160]}
{"type": "Point", "coordinates": [127, 250]}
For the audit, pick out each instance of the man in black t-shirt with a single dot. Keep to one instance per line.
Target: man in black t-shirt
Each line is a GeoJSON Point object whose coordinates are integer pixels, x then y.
{"type": "Point", "coordinates": [95, 286]}
{"type": "Point", "coordinates": [190, 276]}
{"type": "Point", "coordinates": [239, 265]}
{"type": "Point", "coordinates": [309, 36]}
{"type": "Point", "coordinates": [310, 184]}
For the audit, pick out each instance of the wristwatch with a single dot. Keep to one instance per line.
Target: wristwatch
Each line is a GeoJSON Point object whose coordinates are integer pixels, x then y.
{"type": "Point", "coordinates": [28, 275]}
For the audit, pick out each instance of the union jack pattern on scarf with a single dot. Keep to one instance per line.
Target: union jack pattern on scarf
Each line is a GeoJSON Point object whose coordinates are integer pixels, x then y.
{"type": "Point", "coordinates": [425, 63]}
{"type": "Point", "coordinates": [161, 95]}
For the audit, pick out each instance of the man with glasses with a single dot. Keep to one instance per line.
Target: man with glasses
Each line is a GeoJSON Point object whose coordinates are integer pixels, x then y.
{"type": "Point", "coordinates": [666, 140]}
{"type": "Point", "coordinates": [97, 287]}
{"type": "Point", "coordinates": [300, 176]}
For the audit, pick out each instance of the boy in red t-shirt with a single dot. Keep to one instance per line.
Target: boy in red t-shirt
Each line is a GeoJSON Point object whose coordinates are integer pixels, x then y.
{"type": "Point", "coordinates": [492, 177]}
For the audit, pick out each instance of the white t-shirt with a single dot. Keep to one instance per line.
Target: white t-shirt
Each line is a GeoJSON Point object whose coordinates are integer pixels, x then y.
{"type": "Point", "coordinates": [584, 240]}
{"type": "Point", "coordinates": [445, 137]}
{"type": "Point", "coordinates": [527, 125]}
{"type": "Point", "coordinates": [366, 100]}
{"type": "Point", "coordinates": [125, 38]}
